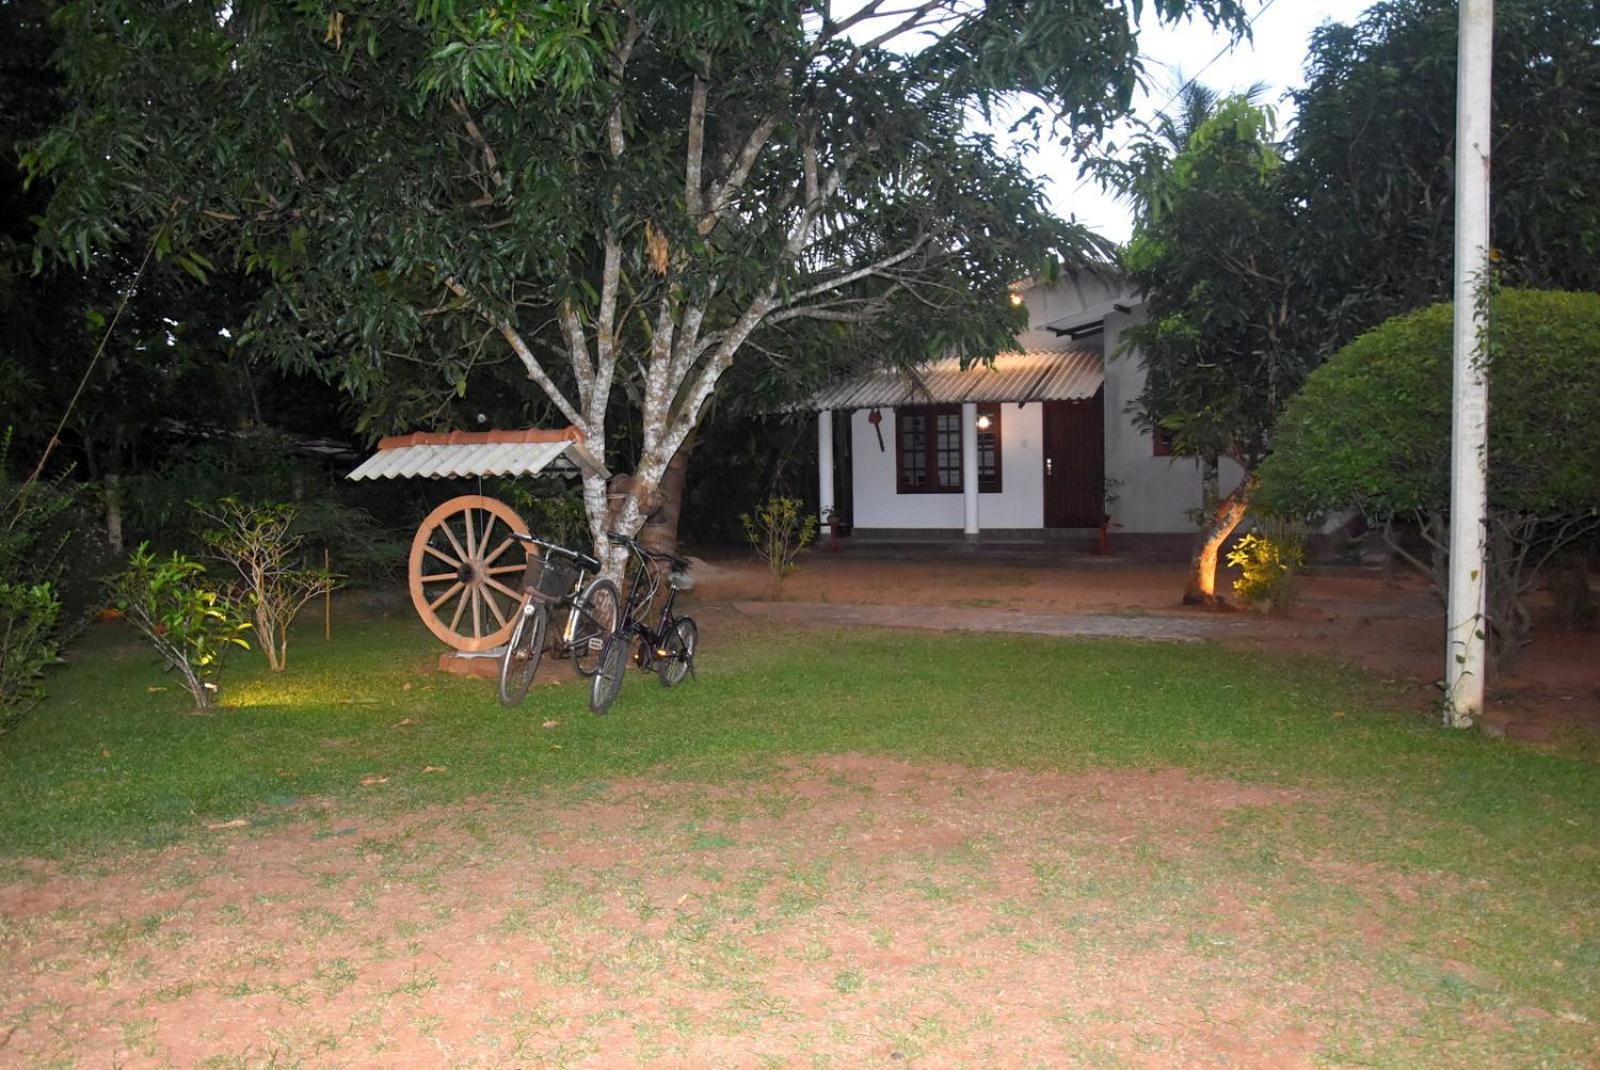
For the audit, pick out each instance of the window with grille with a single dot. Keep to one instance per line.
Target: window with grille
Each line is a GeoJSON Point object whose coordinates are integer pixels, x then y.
{"type": "Point", "coordinates": [928, 453]}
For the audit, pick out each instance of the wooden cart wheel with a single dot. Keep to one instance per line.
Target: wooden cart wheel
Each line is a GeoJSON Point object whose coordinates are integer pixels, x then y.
{"type": "Point", "coordinates": [466, 571]}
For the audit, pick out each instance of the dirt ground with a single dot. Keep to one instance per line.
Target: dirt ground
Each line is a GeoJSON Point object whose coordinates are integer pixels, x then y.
{"type": "Point", "coordinates": [846, 911]}
{"type": "Point", "coordinates": [1392, 626]}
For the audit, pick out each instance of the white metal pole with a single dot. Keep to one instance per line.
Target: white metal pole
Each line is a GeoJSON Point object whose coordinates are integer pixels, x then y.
{"type": "Point", "coordinates": [825, 468]}
{"type": "Point", "coordinates": [1466, 627]}
{"type": "Point", "coordinates": [969, 470]}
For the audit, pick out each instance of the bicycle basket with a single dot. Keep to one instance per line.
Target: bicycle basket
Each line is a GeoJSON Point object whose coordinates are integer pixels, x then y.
{"type": "Point", "coordinates": [681, 580]}
{"type": "Point", "coordinates": [549, 580]}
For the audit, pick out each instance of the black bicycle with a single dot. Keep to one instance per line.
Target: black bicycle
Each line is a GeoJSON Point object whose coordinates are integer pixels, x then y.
{"type": "Point", "coordinates": [667, 649]}
{"type": "Point", "coordinates": [556, 577]}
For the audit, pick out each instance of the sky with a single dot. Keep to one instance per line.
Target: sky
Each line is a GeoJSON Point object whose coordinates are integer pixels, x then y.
{"type": "Point", "coordinates": [1174, 54]}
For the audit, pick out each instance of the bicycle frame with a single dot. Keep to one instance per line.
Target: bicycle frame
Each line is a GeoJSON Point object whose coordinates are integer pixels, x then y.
{"type": "Point", "coordinates": [642, 591]}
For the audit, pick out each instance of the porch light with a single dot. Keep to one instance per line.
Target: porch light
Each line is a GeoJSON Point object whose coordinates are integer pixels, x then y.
{"type": "Point", "coordinates": [1017, 298]}
{"type": "Point", "coordinates": [984, 422]}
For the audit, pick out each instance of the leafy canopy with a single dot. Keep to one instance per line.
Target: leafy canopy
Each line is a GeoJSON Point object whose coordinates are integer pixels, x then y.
{"type": "Point", "coordinates": [1371, 428]}
{"type": "Point", "coordinates": [1209, 251]}
{"type": "Point", "coordinates": [411, 180]}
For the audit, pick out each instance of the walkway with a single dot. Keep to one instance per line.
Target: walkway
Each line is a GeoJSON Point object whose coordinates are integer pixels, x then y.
{"type": "Point", "coordinates": [966, 619]}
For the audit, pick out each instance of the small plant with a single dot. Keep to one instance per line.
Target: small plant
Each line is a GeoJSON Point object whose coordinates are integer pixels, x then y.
{"type": "Point", "coordinates": [257, 541]}
{"type": "Point", "coordinates": [32, 541]}
{"type": "Point", "coordinates": [1269, 561]}
{"type": "Point", "coordinates": [191, 625]}
{"type": "Point", "coordinates": [28, 644]}
{"type": "Point", "coordinates": [779, 530]}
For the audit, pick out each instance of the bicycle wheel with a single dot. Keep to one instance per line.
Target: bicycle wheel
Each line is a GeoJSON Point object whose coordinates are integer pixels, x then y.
{"type": "Point", "coordinates": [608, 677]}
{"type": "Point", "coordinates": [523, 651]}
{"type": "Point", "coordinates": [678, 662]}
{"type": "Point", "coordinates": [598, 611]}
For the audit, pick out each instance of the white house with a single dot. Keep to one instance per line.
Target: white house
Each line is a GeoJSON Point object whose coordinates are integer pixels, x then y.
{"type": "Point", "coordinates": [1040, 443]}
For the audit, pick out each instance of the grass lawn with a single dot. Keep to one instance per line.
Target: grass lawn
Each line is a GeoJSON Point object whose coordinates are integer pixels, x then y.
{"type": "Point", "coordinates": [1244, 851]}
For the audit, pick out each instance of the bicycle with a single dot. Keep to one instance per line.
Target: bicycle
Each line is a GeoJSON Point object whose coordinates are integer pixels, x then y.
{"type": "Point", "coordinates": [555, 578]}
{"type": "Point", "coordinates": [666, 649]}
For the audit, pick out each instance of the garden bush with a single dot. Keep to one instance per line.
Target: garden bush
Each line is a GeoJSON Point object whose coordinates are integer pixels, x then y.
{"type": "Point", "coordinates": [275, 581]}
{"type": "Point", "coordinates": [779, 530]}
{"type": "Point", "coordinates": [1370, 430]}
{"type": "Point", "coordinates": [1269, 560]}
{"type": "Point", "coordinates": [191, 624]}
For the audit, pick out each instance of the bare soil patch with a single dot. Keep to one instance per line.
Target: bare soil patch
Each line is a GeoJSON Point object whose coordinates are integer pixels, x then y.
{"type": "Point", "coordinates": [843, 911]}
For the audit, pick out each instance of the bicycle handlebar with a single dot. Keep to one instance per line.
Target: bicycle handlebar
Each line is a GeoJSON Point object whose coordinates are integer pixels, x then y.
{"type": "Point", "coordinates": [589, 564]}
{"type": "Point", "coordinates": [633, 544]}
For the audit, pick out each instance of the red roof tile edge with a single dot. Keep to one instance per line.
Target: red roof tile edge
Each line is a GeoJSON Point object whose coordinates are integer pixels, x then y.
{"type": "Point", "coordinates": [481, 438]}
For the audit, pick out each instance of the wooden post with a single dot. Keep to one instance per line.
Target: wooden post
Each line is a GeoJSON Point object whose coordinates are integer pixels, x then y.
{"type": "Point", "coordinates": [327, 598]}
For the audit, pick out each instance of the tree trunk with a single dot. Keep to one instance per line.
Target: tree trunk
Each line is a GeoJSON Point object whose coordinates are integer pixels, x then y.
{"type": "Point", "coordinates": [660, 531]}
{"type": "Point", "coordinates": [1221, 519]}
{"type": "Point", "coordinates": [113, 483]}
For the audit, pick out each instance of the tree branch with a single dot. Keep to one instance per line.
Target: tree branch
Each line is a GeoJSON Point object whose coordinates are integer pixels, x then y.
{"type": "Point", "coordinates": [536, 370]}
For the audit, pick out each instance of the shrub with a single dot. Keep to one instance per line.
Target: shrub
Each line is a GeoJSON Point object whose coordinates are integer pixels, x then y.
{"type": "Point", "coordinates": [1370, 430]}
{"type": "Point", "coordinates": [274, 583]}
{"type": "Point", "coordinates": [32, 539]}
{"type": "Point", "coordinates": [1269, 562]}
{"type": "Point", "coordinates": [190, 624]}
{"type": "Point", "coordinates": [779, 530]}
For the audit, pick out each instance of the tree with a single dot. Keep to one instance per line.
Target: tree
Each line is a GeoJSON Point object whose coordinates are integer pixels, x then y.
{"type": "Point", "coordinates": [1372, 157]}
{"type": "Point", "coordinates": [627, 195]}
{"type": "Point", "coordinates": [1210, 251]}
{"type": "Point", "coordinates": [1370, 430]}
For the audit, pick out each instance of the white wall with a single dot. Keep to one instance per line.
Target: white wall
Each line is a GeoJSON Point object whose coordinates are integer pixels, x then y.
{"type": "Point", "coordinates": [1020, 504]}
{"type": "Point", "coordinates": [1154, 493]}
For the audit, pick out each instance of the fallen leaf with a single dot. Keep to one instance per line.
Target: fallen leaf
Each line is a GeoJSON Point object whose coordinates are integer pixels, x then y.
{"type": "Point", "coordinates": [551, 724]}
{"type": "Point", "coordinates": [407, 723]}
{"type": "Point", "coordinates": [555, 746]}
{"type": "Point", "coordinates": [236, 823]}
{"type": "Point", "coordinates": [433, 769]}
{"type": "Point", "coordinates": [286, 774]}
{"type": "Point", "coordinates": [154, 690]}
{"type": "Point", "coordinates": [105, 752]}
{"type": "Point", "coordinates": [406, 686]}
{"type": "Point", "coordinates": [369, 781]}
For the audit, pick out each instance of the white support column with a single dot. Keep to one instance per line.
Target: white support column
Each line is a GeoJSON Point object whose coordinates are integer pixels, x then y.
{"type": "Point", "coordinates": [969, 469]}
{"type": "Point", "coordinates": [825, 469]}
{"type": "Point", "coordinates": [1465, 660]}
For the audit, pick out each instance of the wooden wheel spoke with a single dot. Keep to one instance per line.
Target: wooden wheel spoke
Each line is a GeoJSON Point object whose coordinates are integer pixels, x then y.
{"type": "Point", "coordinates": [440, 577]}
{"type": "Point", "coordinates": [501, 570]}
{"type": "Point", "coordinates": [489, 559]}
{"type": "Point", "coordinates": [494, 607]}
{"type": "Point", "coordinates": [455, 542]}
{"type": "Point", "coordinates": [442, 556]}
{"type": "Point", "coordinates": [472, 534]}
{"type": "Point", "coordinates": [497, 585]}
{"type": "Point", "coordinates": [455, 619]}
{"type": "Point", "coordinates": [477, 612]}
{"type": "Point", "coordinates": [442, 599]}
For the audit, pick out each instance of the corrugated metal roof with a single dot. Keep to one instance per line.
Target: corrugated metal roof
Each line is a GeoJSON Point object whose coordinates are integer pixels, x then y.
{"type": "Point", "coordinates": [1065, 374]}
{"type": "Point", "coordinates": [444, 460]}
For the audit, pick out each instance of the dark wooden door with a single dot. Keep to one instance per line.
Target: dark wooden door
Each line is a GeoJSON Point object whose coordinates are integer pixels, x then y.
{"type": "Point", "coordinates": [1074, 463]}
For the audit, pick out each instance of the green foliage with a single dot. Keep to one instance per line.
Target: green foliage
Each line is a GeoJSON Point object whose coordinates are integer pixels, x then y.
{"type": "Point", "coordinates": [1371, 428]}
{"type": "Point", "coordinates": [31, 565]}
{"type": "Point", "coordinates": [191, 625]}
{"type": "Point", "coordinates": [1269, 562]}
{"type": "Point", "coordinates": [28, 645]}
{"type": "Point", "coordinates": [1209, 250]}
{"type": "Point", "coordinates": [552, 509]}
{"type": "Point", "coordinates": [411, 184]}
{"type": "Point", "coordinates": [1372, 156]}
{"type": "Point", "coordinates": [274, 580]}
{"type": "Point", "coordinates": [779, 530]}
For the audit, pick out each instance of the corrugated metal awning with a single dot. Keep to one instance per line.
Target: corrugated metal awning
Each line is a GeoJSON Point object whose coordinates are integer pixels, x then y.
{"type": "Point", "coordinates": [459, 454]}
{"type": "Point", "coordinates": [1065, 374]}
